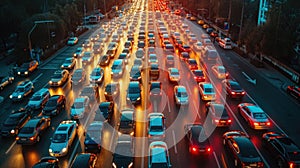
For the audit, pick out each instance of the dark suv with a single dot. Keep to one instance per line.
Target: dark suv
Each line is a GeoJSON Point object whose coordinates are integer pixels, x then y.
{"type": "Point", "coordinates": [286, 152]}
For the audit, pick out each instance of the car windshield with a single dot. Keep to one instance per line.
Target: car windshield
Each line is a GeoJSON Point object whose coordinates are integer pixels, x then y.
{"type": "Point", "coordinates": [79, 50]}
{"type": "Point", "coordinates": [77, 74]}
{"type": "Point", "coordinates": [58, 138]}
{"type": "Point", "coordinates": [259, 115]}
{"type": "Point", "coordinates": [35, 98]}
{"type": "Point", "coordinates": [209, 90]}
{"type": "Point", "coordinates": [156, 128]}
{"type": "Point", "coordinates": [110, 88]}
{"type": "Point", "coordinates": [96, 73]}
{"type": "Point", "coordinates": [110, 51]}
{"type": "Point", "coordinates": [170, 58]}
{"type": "Point", "coordinates": [78, 105]}
{"type": "Point", "coordinates": [68, 61]}
{"type": "Point", "coordinates": [175, 73]}
{"type": "Point", "coordinates": [27, 130]}
{"type": "Point", "coordinates": [20, 89]}
{"type": "Point", "coordinates": [182, 94]}
{"type": "Point", "coordinates": [193, 62]}
{"type": "Point", "coordinates": [56, 76]}
{"type": "Point", "coordinates": [134, 90]}
{"type": "Point", "coordinates": [236, 87]}
{"type": "Point", "coordinates": [222, 70]}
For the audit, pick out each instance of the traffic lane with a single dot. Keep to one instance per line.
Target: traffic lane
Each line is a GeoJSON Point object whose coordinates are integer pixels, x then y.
{"type": "Point", "coordinates": [274, 102]}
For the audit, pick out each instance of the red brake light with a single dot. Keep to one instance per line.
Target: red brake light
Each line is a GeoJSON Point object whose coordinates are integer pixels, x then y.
{"type": "Point", "coordinates": [229, 121]}
{"type": "Point", "coordinates": [243, 93]}
{"type": "Point", "coordinates": [291, 165]}
{"type": "Point", "coordinates": [194, 149]}
{"type": "Point", "coordinates": [208, 149]}
{"type": "Point", "coordinates": [233, 93]}
{"type": "Point", "coordinates": [256, 124]}
{"type": "Point", "coordinates": [217, 121]}
{"type": "Point", "coordinates": [268, 123]}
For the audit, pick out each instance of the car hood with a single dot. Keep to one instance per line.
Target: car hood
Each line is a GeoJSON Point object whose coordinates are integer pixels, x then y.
{"type": "Point", "coordinates": [34, 102]}
{"type": "Point", "coordinates": [77, 111]}
{"type": "Point", "coordinates": [22, 69]}
{"type": "Point", "coordinates": [16, 94]}
{"type": "Point", "coordinates": [58, 146]}
{"type": "Point", "coordinates": [133, 96]}
{"type": "Point", "coordinates": [92, 139]}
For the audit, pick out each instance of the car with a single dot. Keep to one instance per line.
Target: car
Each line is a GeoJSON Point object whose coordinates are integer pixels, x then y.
{"type": "Point", "coordinates": [104, 60]}
{"type": "Point", "coordinates": [140, 53]}
{"type": "Point", "coordinates": [207, 91]}
{"type": "Point", "coordinates": [105, 111]}
{"type": "Point", "coordinates": [185, 56]}
{"type": "Point", "coordinates": [164, 43]}
{"type": "Point", "coordinates": [233, 88]}
{"type": "Point", "coordinates": [123, 155]}
{"type": "Point", "coordinates": [135, 74]}
{"type": "Point", "coordinates": [80, 108]}
{"type": "Point", "coordinates": [192, 40]}
{"type": "Point", "coordinates": [169, 48]}
{"type": "Point", "coordinates": [151, 36]}
{"type": "Point", "coordinates": [198, 142]}
{"type": "Point", "coordinates": [173, 74]}
{"type": "Point", "coordinates": [294, 91]}
{"type": "Point", "coordinates": [242, 149]}
{"type": "Point", "coordinates": [123, 56]}
{"type": "Point", "coordinates": [210, 54]}
{"type": "Point", "coordinates": [97, 48]}
{"type": "Point", "coordinates": [27, 68]}
{"type": "Point", "coordinates": [59, 78]}
{"type": "Point", "coordinates": [87, 45]}
{"type": "Point", "coordinates": [225, 43]}
{"type": "Point", "coordinates": [198, 46]}
{"type": "Point", "coordinates": [91, 91]}
{"type": "Point", "coordinates": [138, 63]}
{"type": "Point", "coordinates": [178, 43]}
{"type": "Point", "coordinates": [192, 63]}
{"type": "Point", "coordinates": [198, 75]}
{"type": "Point", "coordinates": [127, 51]}
{"type": "Point", "coordinates": [39, 99]}
{"type": "Point", "coordinates": [200, 22]}
{"type": "Point", "coordinates": [254, 116]}
{"type": "Point", "coordinates": [209, 30]}
{"type": "Point", "coordinates": [205, 26]}
{"type": "Point", "coordinates": [151, 43]}
{"type": "Point", "coordinates": [31, 132]}
{"type": "Point", "coordinates": [193, 18]}
{"type": "Point", "coordinates": [84, 160]}
{"type": "Point", "coordinates": [206, 42]}
{"type": "Point", "coordinates": [127, 121]}
{"type": "Point", "coordinates": [117, 68]}
{"type": "Point", "coordinates": [14, 122]}
{"type": "Point", "coordinates": [111, 91]}
{"type": "Point", "coordinates": [93, 137]}
{"type": "Point", "coordinates": [218, 114]}
{"type": "Point", "coordinates": [111, 52]}
{"type": "Point", "coordinates": [141, 44]}
{"type": "Point", "coordinates": [214, 34]}
{"type": "Point", "coordinates": [181, 96]}
{"type": "Point", "coordinates": [78, 76]}
{"type": "Point", "coordinates": [154, 71]}
{"type": "Point", "coordinates": [128, 44]}
{"type": "Point", "coordinates": [283, 148]}
{"type": "Point", "coordinates": [134, 92]}
{"type": "Point", "coordinates": [54, 105]}
{"type": "Point", "coordinates": [158, 155]}
{"type": "Point", "coordinates": [151, 50]}
{"type": "Point", "coordinates": [152, 58]}
{"type": "Point", "coordinates": [62, 138]}
{"type": "Point", "coordinates": [97, 75]}
{"type": "Point", "coordinates": [47, 162]}
{"type": "Point", "coordinates": [175, 35]}
{"type": "Point", "coordinates": [112, 46]}
{"type": "Point", "coordinates": [68, 64]}
{"type": "Point", "coordinates": [155, 88]}
{"type": "Point", "coordinates": [87, 58]}
{"type": "Point", "coordinates": [72, 41]}
{"type": "Point", "coordinates": [6, 80]}
{"type": "Point", "coordinates": [94, 38]}
{"type": "Point", "coordinates": [219, 71]}
{"type": "Point", "coordinates": [170, 61]}
{"type": "Point", "coordinates": [78, 53]}
{"type": "Point", "coordinates": [184, 48]}
{"type": "Point", "coordinates": [22, 90]}
{"type": "Point", "coordinates": [156, 126]}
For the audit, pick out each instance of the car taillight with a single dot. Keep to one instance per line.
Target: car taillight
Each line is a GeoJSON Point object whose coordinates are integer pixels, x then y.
{"type": "Point", "coordinates": [17, 138]}
{"type": "Point", "coordinates": [31, 138]}
{"type": "Point", "coordinates": [291, 165]}
{"type": "Point", "coordinates": [243, 93]}
{"type": "Point", "coordinates": [194, 149]}
{"type": "Point", "coordinates": [268, 123]}
{"type": "Point", "coordinates": [216, 121]}
{"type": "Point", "coordinates": [232, 93]}
{"type": "Point", "coordinates": [229, 121]}
{"type": "Point", "coordinates": [208, 149]}
{"type": "Point", "coordinates": [256, 124]}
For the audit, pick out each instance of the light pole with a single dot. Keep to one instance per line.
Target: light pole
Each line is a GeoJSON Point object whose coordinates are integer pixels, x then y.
{"type": "Point", "coordinates": [29, 33]}
{"type": "Point", "coordinates": [241, 22]}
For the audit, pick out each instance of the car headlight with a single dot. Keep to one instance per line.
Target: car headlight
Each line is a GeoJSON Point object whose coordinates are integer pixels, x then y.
{"type": "Point", "coordinates": [59, 82]}
{"type": "Point", "coordinates": [10, 96]}
{"type": "Point", "coordinates": [62, 66]}
{"type": "Point", "coordinates": [26, 72]}
{"type": "Point", "coordinates": [12, 131]}
{"type": "Point", "coordinates": [19, 73]}
{"type": "Point", "coordinates": [50, 150]}
{"type": "Point", "coordinates": [50, 82]}
{"type": "Point", "coordinates": [74, 55]}
{"type": "Point", "coordinates": [19, 96]}
{"type": "Point", "coordinates": [139, 98]}
{"type": "Point", "coordinates": [64, 150]}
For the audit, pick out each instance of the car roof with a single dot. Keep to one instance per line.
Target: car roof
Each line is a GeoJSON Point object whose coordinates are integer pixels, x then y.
{"type": "Point", "coordinates": [246, 147]}
{"type": "Point", "coordinates": [80, 99]}
{"type": "Point", "coordinates": [81, 160]}
{"type": "Point", "coordinates": [181, 89]}
{"type": "Point", "coordinates": [254, 108]}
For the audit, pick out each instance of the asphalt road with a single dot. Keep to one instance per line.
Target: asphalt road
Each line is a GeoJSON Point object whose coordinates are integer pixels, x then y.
{"type": "Point", "coordinates": [278, 105]}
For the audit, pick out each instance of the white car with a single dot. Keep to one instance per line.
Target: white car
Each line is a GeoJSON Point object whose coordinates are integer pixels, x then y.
{"type": "Point", "coordinates": [207, 91]}
{"type": "Point", "coordinates": [152, 58]}
{"type": "Point", "coordinates": [156, 126]}
{"type": "Point", "coordinates": [80, 107]}
{"type": "Point", "coordinates": [219, 71]}
{"type": "Point", "coordinates": [173, 74]}
{"type": "Point", "coordinates": [72, 41]}
{"type": "Point", "coordinates": [158, 155]}
{"type": "Point", "coordinates": [63, 138]}
{"type": "Point", "coordinates": [181, 95]}
{"type": "Point", "coordinates": [39, 99]}
{"type": "Point", "coordinates": [198, 46]}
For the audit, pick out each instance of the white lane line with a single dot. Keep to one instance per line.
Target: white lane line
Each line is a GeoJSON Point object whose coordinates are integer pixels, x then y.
{"type": "Point", "coordinates": [111, 142]}
{"type": "Point", "coordinates": [37, 77]}
{"type": "Point", "coordinates": [155, 106]}
{"type": "Point", "coordinates": [175, 147]}
{"type": "Point", "coordinates": [78, 142]}
{"type": "Point", "coordinates": [169, 108]}
{"type": "Point", "coordinates": [216, 158]}
{"type": "Point", "coordinates": [189, 91]}
{"type": "Point", "coordinates": [11, 146]}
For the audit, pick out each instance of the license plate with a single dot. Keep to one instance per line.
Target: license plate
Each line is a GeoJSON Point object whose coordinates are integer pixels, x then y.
{"type": "Point", "coordinates": [202, 150]}
{"type": "Point", "coordinates": [223, 121]}
{"type": "Point", "coordinates": [262, 123]}
{"type": "Point", "coordinates": [23, 139]}
{"type": "Point", "coordinates": [253, 164]}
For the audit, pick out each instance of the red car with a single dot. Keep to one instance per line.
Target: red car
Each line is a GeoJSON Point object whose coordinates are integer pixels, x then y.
{"type": "Point", "coordinates": [184, 48]}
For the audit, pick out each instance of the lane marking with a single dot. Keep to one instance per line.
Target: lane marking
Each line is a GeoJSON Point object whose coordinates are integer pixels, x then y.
{"type": "Point", "coordinates": [34, 80]}
{"type": "Point", "coordinates": [223, 161]}
{"type": "Point", "coordinates": [169, 108]}
{"type": "Point", "coordinates": [11, 146]}
{"type": "Point", "coordinates": [155, 106]}
{"type": "Point", "coordinates": [195, 107]}
{"type": "Point", "coordinates": [175, 147]}
{"type": "Point", "coordinates": [216, 158]}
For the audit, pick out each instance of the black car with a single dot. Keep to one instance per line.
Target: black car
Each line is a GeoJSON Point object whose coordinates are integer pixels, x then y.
{"type": "Point", "coordinates": [106, 110]}
{"type": "Point", "coordinates": [84, 160]}
{"type": "Point", "coordinates": [111, 91]}
{"type": "Point", "coordinates": [127, 122]}
{"type": "Point", "coordinates": [15, 121]}
{"type": "Point", "coordinates": [134, 92]}
{"type": "Point", "coordinates": [284, 149]}
{"type": "Point", "coordinates": [5, 80]}
{"type": "Point", "coordinates": [233, 88]}
{"type": "Point", "coordinates": [55, 105]}
{"type": "Point", "coordinates": [27, 68]}
{"type": "Point", "coordinates": [197, 139]}
{"type": "Point", "coordinates": [104, 60]}
{"type": "Point", "coordinates": [123, 155]}
{"type": "Point", "coordinates": [32, 130]}
{"type": "Point", "coordinates": [47, 162]}
{"type": "Point", "coordinates": [93, 137]}
{"type": "Point", "coordinates": [242, 149]}
{"type": "Point", "coordinates": [135, 74]}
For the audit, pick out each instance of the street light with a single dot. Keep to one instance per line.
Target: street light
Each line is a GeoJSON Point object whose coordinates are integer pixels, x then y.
{"type": "Point", "coordinates": [29, 34]}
